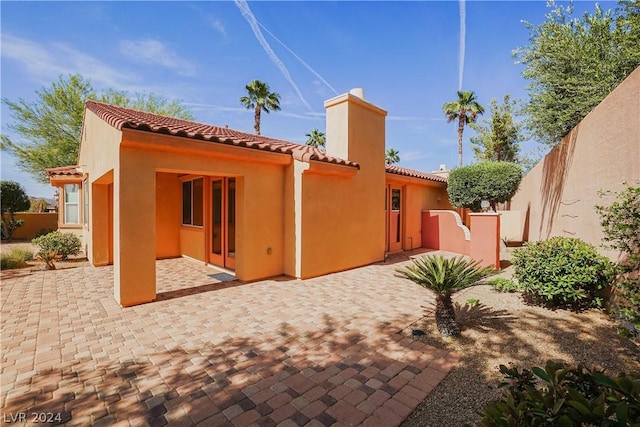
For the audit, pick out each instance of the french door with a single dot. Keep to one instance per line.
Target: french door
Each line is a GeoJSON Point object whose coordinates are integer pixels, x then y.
{"type": "Point", "coordinates": [394, 218]}
{"type": "Point", "coordinates": [222, 250]}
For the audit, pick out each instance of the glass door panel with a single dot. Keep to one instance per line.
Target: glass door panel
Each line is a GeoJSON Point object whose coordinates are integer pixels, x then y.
{"type": "Point", "coordinates": [231, 223]}
{"type": "Point", "coordinates": [223, 222]}
{"type": "Point", "coordinates": [395, 220]}
{"type": "Point", "coordinates": [216, 221]}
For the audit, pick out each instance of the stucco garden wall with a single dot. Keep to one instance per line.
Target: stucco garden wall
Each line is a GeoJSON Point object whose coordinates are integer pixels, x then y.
{"type": "Point", "coordinates": [34, 223]}
{"type": "Point", "coordinates": [557, 197]}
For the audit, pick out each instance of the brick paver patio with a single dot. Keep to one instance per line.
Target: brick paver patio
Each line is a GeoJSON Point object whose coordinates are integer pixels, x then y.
{"type": "Point", "coordinates": [317, 352]}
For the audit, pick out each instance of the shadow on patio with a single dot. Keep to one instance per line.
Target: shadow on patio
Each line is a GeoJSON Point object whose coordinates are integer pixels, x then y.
{"type": "Point", "coordinates": [326, 375]}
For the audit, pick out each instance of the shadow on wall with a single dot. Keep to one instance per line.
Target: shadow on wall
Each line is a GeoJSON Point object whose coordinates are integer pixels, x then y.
{"type": "Point", "coordinates": [525, 227]}
{"type": "Point", "coordinates": [554, 173]}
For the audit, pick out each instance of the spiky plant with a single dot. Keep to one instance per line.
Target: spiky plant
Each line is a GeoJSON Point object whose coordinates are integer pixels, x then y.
{"type": "Point", "coordinates": [444, 277]}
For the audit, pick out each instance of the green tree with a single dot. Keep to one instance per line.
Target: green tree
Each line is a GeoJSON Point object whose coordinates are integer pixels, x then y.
{"type": "Point", "coordinates": [13, 198]}
{"type": "Point", "coordinates": [444, 277]}
{"type": "Point", "coordinates": [260, 98]}
{"type": "Point", "coordinates": [392, 156]}
{"type": "Point", "coordinates": [495, 182]}
{"type": "Point", "coordinates": [498, 139]}
{"type": "Point", "coordinates": [621, 224]}
{"type": "Point", "coordinates": [574, 63]}
{"type": "Point", "coordinates": [316, 138]}
{"type": "Point", "coordinates": [48, 129]}
{"type": "Point", "coordinates": [465, 109]}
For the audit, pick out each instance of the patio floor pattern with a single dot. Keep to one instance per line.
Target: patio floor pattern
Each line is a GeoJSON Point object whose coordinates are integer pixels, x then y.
{"type": "Point", "coordinates": [214, 352]}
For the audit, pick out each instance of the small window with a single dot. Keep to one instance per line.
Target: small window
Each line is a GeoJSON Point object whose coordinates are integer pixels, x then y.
{"type": "Point", "coordinates": [192, 202]}
{"type": "Point", "coordinates": [71, 206]}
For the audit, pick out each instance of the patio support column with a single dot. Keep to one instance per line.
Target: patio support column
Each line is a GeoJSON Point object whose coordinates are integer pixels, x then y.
{"type": "Point", "coordinates": [134, 231]}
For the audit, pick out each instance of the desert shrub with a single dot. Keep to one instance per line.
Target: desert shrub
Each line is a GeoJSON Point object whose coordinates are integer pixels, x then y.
{"type": "Point", "coordinates": [493, 181]}
{"type": "Point", "coordinates": [16, 258]}
{"type": "Point", "coordinates": [62, 244]}
{"type": "Point", "coordinates": [561, 396]}
{"type": "Point", "coordinates": [502, 284]}
{"type": "Point", "coordinates": [620, 222]}
{"type": "Point", "coordinates": [563, 271]}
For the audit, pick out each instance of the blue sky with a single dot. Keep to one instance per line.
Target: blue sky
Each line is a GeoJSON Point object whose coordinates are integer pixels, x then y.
{"type": "Point", "coordinates": [406, 56]}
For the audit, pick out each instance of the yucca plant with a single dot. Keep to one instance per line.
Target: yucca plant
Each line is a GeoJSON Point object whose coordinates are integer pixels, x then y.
{"type": "Point", "coordinates": [444, 277]}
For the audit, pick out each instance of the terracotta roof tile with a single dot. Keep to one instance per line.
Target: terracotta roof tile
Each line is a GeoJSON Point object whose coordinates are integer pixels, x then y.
{"type": "Point", "coordinates": [414, 173]}
{"type": "Point", "coordinates": [126, 118]}
{"type": "Point", "coordinates": [64, 171]}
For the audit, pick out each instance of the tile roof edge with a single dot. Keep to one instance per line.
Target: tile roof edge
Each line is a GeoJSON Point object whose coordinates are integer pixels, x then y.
{"type": "Point", "coordinates": [106, 113]}
{"type": "Point", "coordinates": [64, 170]}
{"type": "Point", "coordinates": [402, 171]}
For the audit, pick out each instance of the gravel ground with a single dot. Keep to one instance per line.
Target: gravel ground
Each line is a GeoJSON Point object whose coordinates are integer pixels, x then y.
{"type": "Point", "coordinates": [501, 329]}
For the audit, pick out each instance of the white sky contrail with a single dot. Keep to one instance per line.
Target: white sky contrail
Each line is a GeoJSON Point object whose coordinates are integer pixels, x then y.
{"type": "Point", "coordinates": [248, 16]}
{"type": "Point", "coordinates": [314, 72]}
{"type": "Point", "coordinates": [463, 34]}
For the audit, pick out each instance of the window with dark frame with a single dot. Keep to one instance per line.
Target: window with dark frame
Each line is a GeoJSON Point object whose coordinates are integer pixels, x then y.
{"type": "Point", "coordinates": [192, 202]}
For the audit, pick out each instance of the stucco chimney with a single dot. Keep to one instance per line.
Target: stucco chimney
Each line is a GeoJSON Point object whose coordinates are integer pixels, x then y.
{"type": "Point", "coordinates": [355, 129]}
{"type": "Point", "coordinates": [442, 171]}
{"type": "Point", "coordinates": [358, 91]}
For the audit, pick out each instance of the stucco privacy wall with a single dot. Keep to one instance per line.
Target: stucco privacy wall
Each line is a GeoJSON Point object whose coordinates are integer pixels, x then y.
{"type": "Point", "coordinates": [443, 230]}
{"type": "Point", "coordinates": [557, 197]}
{"type": "Point", "coordinates": [34, 224]}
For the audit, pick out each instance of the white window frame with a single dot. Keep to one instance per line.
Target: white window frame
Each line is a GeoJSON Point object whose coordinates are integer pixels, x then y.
{"type": "Point", "coordinates": [67, 206]}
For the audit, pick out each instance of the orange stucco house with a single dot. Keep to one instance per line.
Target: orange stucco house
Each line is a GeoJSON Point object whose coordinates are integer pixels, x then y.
{"type": "Point", "coordinates": [149, 187]}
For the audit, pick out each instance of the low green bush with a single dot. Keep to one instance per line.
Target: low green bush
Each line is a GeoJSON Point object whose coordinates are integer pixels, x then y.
{"type": "Point", "coordinates": [561, 396]}
{"type": "Point", "coordinates": [620, 223]}
{"type": "Point", "coordinates": [502, 284]}
{"type": "Point", "coordinates": [62, 244]}
{"type": "Point", "coordinates": [563, 272]}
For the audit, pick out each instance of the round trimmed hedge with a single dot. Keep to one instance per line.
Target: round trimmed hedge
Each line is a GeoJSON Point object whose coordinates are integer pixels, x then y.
{"type": "Point", "coordinates": [496, 182]}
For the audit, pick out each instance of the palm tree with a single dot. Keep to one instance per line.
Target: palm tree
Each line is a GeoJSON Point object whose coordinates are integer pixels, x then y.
{"type": "Point", "coordinates": [392, 156]}
{"type": "Point", "coordinates": [316, 138]}
{"type": "Point", "coordinates": [466, 108]}
{"type": "Point", "coordinates": [262, 99]}
{"type": "Point", "coordinates": [444, 277]}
